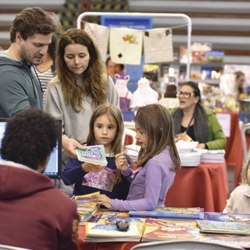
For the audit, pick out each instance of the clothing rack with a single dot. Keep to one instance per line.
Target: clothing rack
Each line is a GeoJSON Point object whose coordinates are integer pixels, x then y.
{"type": "Point", "coordinates": [163, 15]}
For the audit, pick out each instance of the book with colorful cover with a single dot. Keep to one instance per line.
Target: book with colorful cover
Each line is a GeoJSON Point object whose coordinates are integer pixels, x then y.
{"type": "Point", "coordinates": [86, 207]}
{"type": "Point", "coordinates": [226, 239]}
{"type": "Point", "coordinates": [170, 229]}
{"type": "Point", "coordinates": [218, 216]}
{"type": "Point", "coordinates": [92, 154]}
{"type": "Point", "coordinates": [224, 227]}
{"type": "Point", "coordinates": [171, 212]}
{"type": "Point", "coordinates": [102, 232]}
{"type": "Point", "coordinates": [111, 217]}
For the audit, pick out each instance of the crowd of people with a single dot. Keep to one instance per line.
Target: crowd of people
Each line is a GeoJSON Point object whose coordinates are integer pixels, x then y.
{"type": "Point", "coordinates": [77, 88]}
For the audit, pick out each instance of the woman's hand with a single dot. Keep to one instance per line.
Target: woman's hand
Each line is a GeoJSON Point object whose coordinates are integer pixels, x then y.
{"type": "Point", "coordinates": [121, 161]}
{"type": "Point", "coordinates": [201, 146]}
{"type": "Point", "coordinates": [69, 145]}
{"type": "Point", "coordinates": [102, 199]}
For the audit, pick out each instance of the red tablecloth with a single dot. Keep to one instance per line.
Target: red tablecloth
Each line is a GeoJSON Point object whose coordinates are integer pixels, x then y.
{"type": "Point", "coordinates": [205, 186]}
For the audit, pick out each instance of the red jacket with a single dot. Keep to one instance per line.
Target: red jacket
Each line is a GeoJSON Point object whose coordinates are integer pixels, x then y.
{"type": "Point", "coordinates": [33, 214]}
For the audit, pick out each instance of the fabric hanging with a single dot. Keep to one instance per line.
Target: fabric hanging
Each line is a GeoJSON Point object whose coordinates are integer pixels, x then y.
{"type": "Point", "coordinates": [126, 45]}
{"type": "Point", "coordinates": [158, 45]}
{"type": "Point", "coordinates": [100, 35]}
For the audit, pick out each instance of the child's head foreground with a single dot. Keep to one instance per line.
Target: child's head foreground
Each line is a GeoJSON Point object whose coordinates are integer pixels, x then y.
{"type": "Point", "coordinates": [239, 200]}
{"type": "Point", "coordinates": [106, 127]}
{"type": "Point", "coordinates": [154, 128]}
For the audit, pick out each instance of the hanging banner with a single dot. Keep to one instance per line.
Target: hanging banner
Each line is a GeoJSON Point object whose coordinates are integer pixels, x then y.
{"type": "Point", "coordinates": [126, 45]}
{"type": "Point", "coordinates": [100, 35]}
{"type": "Point", "coordinates": [158, 45]}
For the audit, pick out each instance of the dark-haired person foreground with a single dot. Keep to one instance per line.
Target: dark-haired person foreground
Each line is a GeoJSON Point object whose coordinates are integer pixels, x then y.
{"type": "Point", "coordinates": [30, 35]}
{"type": "Point", "coordinates": [34, 214]}
{"type": "Point", "coordinates": [193, 122]}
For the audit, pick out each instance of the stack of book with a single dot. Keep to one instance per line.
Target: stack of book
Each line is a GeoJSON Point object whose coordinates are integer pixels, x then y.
{"type": "Point", "coordinates": [190, 159]}
{"type": "Point", "coordinates": [103, 228]}
{"type": "Point", "coordinates": [85, 206]}
{"type": "Point", "coordinates": [212, 156]}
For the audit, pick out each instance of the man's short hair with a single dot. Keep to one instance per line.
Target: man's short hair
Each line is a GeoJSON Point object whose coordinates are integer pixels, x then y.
{"type": "Point", "coordinates": [31, 21]}
{"type": "Point", "coordinates": [29, 138]}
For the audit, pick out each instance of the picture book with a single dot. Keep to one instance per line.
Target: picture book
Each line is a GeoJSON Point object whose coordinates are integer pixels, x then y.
{"type": "Point", "coordinates": [171, 212]}
{"type": "Point", "coordinates": [216, 216]}
{"type": "Point", "coordinates": [170, 229]}
{"type": "Point", "coordinates": [227, 239]}
{"type": "Point", "coordinates": [224, 227]}
{"type": "Point", "coordinates": [102, 232]}
{"type": "Point", "coordinates": [111, 217]}
{"type": "Point", "coordinates": [86, 207]}
{"type": "Point", "coordinates": [92, 154]}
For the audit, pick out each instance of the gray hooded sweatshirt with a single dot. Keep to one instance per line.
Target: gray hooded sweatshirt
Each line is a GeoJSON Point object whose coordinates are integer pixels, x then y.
{"type": "Point", "coordinates": [19, 87]}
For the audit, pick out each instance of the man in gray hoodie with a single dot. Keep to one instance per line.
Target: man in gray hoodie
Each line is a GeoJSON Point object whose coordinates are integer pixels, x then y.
{"type": "Point", "coordinates": [30, 35]}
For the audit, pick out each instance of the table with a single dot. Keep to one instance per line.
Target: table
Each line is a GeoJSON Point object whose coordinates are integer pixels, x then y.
{"type": "Point", "coordinates": [234, 148]}
{"type": "Point", "coordinates": [204, 186]}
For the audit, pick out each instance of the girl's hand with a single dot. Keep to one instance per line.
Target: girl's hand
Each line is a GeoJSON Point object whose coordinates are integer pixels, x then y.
{"type": "Point", "coordinates": [102, 199]}
{"type": "Point", "coordinates": [69, 145]}
{"type": "Point", "coordinates": [121, 161]}
{"type": "Point", "coordinates": [91, 167]}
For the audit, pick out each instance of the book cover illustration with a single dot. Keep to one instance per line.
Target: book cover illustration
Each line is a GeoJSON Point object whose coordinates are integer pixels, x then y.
{"type": "Point", "coordinates": [92, 154]}
{"type": "Point", "coordinates": [224, 227]}
{"type": "Point", "coordinates": [104, 179]}
{"type": "Point", "coordinates": [226, 239]}
{"type": "Point", "coordinates": [171, 212]}
{"type": "Point", "coordinates": [85, 206]}
{"type": "Point", "coordinates": [102, 232]}
{"type": "Point", "coordinates": [167, 229]}
{"type": "Point", "coordinates": [216, 216]}
{"type": "Point", "coordinates": [112, 217]}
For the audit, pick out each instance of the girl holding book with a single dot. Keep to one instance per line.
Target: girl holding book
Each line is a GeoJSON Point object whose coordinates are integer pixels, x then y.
{"type": "Point", "coordinates": [158, 160]}
{"type": "Point", "coordinates": [106, 128]}
{"type": "Point", "coordinates": [239, 200]}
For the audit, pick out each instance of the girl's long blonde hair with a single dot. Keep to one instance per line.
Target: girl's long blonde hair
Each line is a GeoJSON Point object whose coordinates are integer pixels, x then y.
{"type": "Point", "coordinates": [157, 123]}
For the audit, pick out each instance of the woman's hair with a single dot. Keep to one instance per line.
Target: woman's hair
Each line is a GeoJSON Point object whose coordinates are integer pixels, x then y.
{"type": "Point", "coordinates": [110, 111]}
{"type": "Point", "coordinates": [95, 79]}
{"type": "Point", "coordinates": [31, 21]}
{"type": "Point", "coordinates": [194, 86]}
{"type": "Point", "coordinates": [244, 179]}
{"type": "Point", "coordinates": [171, 91]}
{"type": "Point", "coordinates": [156, 122]}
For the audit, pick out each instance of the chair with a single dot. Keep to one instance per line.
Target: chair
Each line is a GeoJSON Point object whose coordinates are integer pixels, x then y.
{"type": "Point", "coordinates": [183, 245]}
{"type": "Point", "coordinates": [129, 133]}
{"type": "Point", "coordinates": [8, 247]}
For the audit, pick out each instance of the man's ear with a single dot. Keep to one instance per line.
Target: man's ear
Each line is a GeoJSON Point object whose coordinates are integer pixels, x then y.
{"type": "Point", "coordinates": [18, 37]}
{"type": "Point", "coordinates": [41, 168]}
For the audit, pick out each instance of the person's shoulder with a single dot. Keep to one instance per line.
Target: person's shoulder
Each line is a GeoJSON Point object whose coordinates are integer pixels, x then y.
{"type": "Point", "coordinates": [55, 82]}
{"type": "Point", "coordinates": [209, 111]}
{"type": "Point", "coordinates": [62, 199]}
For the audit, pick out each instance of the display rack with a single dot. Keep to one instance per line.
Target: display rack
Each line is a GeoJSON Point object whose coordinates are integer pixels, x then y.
{"type": "Point", "coordinates": [162, 15]}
